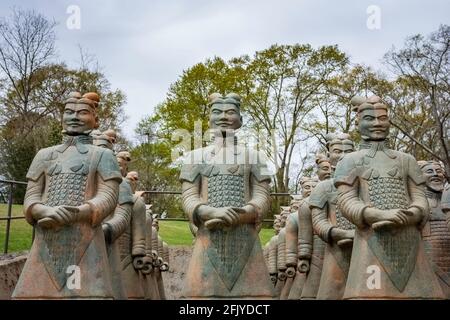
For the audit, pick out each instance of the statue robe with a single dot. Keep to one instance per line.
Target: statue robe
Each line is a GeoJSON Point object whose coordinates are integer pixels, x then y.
{"type": "Point", "coordinates": [385, 179]}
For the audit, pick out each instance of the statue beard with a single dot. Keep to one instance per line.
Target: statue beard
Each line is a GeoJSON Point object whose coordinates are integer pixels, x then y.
{"type": "Point", "coordinates": [435, 186]}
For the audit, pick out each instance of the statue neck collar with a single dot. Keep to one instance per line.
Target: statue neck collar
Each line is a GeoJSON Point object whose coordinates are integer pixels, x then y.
{"type": "Point", "coordinates": [80, 142]}
{"type": "Point", "coordinates": [375, 146]}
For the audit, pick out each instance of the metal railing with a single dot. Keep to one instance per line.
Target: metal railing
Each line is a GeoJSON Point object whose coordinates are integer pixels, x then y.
{"type": "Point", "coordinates": [9, 216]}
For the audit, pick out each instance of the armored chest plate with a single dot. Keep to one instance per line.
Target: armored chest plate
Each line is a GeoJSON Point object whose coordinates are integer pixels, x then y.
{"type": "Point", "coordinates": [66, 189]}
{"type": "Point", "coordinates": [388, 193]}
{"type": "Point", "coordinates": [229, 249]}
{"type": "Point", "coordinates": [225, 190]}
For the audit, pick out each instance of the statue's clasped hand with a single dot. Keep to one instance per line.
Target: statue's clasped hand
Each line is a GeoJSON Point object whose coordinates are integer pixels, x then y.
{"type": "Point", "coordinates": [138, 262]}
{"type": "Point", "coordinates": [56, 217]}
{"type": "Point", "coordinates": [391, 219]}
{"type": "Point", "coordinates": [148, 264]}
{"type": "Point", "coordinates": [290, 272]}
{"type": "Point", "coordinates": [303, 266]}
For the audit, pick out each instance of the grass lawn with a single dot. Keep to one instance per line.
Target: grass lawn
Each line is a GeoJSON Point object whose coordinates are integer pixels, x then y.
{"type": "Point", "coordinates": [21, 231]}
{"type": "Point", "coordinates": [173, 232]}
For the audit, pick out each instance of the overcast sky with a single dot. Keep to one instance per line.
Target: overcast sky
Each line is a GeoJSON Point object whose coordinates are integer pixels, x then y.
{"type": "Point", "coordinates": [143, 46]}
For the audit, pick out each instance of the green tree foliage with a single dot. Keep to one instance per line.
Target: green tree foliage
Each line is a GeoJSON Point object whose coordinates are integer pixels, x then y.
{"type": "Point", "coordinates": [33, 89]}
{"type": "Point", "coordinates": [422, 94]}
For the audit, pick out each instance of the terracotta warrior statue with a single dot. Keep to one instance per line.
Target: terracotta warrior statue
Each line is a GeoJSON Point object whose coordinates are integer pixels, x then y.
{"type": "Point", "coordinates": [435, 233]}
{"type": "Point", "coordinates": [117, 222]}
{"type": "Point", "coordinates": [273, 251]}
{"type": "Point", "coordinates": [162, 268]}
{"type": "Point", "coordinates": [132, 241]}
{"type": "Point", "coordinates": [150, 282]}
{"type": "Point", "coordinates": [381, 191]}
{"type": "Point", "coordinates": [294, 290]}
{"type": "Point", "coordinates": [157, 260]}
{"type": "Point", "coordinates": [281, 250]}
{"type": "Point", "coordinates": [445, 203]}
{"type": "Point", "coordinates": [331, 226]}
{"type": "Point", "coordinates": [225, 193]}
{"type": "Point", "coordinates": [72, 188]}
{"type": "Point", "coordinates": [311, 248]}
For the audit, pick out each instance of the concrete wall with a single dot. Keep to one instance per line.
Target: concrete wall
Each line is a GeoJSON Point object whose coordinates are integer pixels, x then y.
{"type": "Point", "coordinates": [10, 269]}
{"type": "Point", "coordinates": [11, 266]}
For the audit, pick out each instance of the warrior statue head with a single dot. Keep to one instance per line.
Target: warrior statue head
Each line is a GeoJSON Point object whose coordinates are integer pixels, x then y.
{"type": "Point", "coordinates": [133, 179]}
{"type": "Point", "coordinates": [308, 184]}
{"type": "Point", "coordinates": [372, 119]}
{"type": "Point", "coordinates": [123, 158]}
{"type": "Point", "coordinates": [225, 113]}
{"type": "Point", "coordinates": [105, 139]}
{"type": "Point", "coordinates": [296, 200]}
{"type": "Point", "coordinates": [338, 145]}
{"type": "Point", "coordinates": [80, 113]}
{"type": "Point", "coordinates": [277, 223]}
{"type": "Point", "coordinates": [434, 175]}
{"type": "Point", "coordinates": [323, 167]}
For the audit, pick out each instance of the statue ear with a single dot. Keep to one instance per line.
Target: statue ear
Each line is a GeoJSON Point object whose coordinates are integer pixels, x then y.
{"type": "Point", "coordinates": [96, 122]}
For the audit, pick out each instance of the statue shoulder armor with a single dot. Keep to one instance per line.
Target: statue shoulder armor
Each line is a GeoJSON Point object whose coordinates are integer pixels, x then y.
{"type": "Point", "coordinates": [40, 163]}
{"type": "Point", "coordinates": [319, 195]}
{"type": "Point", "coordinates": [192, 165]}
{"type": "Point", "coordinates": [259, 167]}
{"type": "Point", "coordinates": [414, 171]}
{"type": "Point", "coordinates": [108, 167]}
{"type": "Point", "coordinates": [125, 193]}
{"type": "Point", "coordinates": [346, 170]}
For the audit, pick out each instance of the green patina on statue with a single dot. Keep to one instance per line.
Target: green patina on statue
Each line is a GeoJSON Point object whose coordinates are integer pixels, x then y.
{"type": "Point", "coordinates": [333, 228]}
{"type": "Point", "coordinates": [225, 192]}
{"type": "Point", "coordinates": [72, 188]}
{"type": "Point", "coordinates": [381, 191]}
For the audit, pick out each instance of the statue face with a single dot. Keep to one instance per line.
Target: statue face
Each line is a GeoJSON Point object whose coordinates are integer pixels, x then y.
{"type": "Point", "coordinates": [434, 176]}
{"type": "Point", "coordinates": [338, 151]}
{"type": "Point", "coordinates": [374, 124]}
{"type": "Point", "coordinates": [155, 224]}
{"type": "Point", "coordinates": [78, 119]}
{"type": "Point", "coordinates": [277, 225]}
{"type": "Point", "coordinates": [324, 170]}
{"type": "Point", "coordinates": [225, 117]}
{"type": "Point", "coordinates": [123, 164]}
{"type": "Point", "coordinates": [308, 187]}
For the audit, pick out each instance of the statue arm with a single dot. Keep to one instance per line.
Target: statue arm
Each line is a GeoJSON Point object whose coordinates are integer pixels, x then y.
{"type": "Point", "coordinates": [272, 266]}
{"type": "Point", "coordinates": [351, 205]}
{"type": "Point", "coordinates": [33, 198]}
{"type": "Point", "coordinates": [281, 251]}
{"type": "Point", "coordinates": [33, 206]}
{"type": "Point", "coordinates": [104, 202]}
{"type": "Point", "coordinates": [347, 183]}
{"type": "Point", "coordinates": [191, 200]}
{"type": "Point", "coordinates": [120, 220]}
{"type": "Point", "coordinates": [416, 185]}
{"type": "Point", "coordinates": [166, 256]}
{"type": "Point", "coordinates": [305, 232]}
{"type": "Point", "coordinates": [138, 220]}
{"type": "Point", "coordinates": [321, 224]}
{"type": "Point", "coordinates": [148, 234]}
{"type": "Point", "coordinates": [160, 251]}
{"type": "Point", "coordinates": [260, 202]}
{"type": "Point", "coordinates": [154, 251]}
{"type": "Point", "coordinates": [291, 241]}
